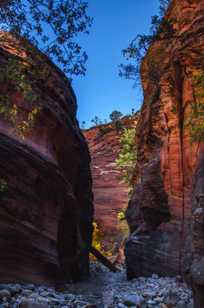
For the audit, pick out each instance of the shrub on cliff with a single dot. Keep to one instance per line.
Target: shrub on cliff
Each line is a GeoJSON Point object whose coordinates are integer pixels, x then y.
{"type": "Point", "coordinates": [14, 75]}
{"type": "Point", "coordinates": [127, 155]}
{"type": "Point", "coordinates": [134, 53]}
{"type": "Point", "coordinates": [115, 117]}
{"type": "Point", "coordinates": [195, 121]}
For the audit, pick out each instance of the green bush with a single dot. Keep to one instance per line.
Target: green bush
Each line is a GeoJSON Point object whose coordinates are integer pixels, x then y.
{"type": "Point", "coordinates": [196, 118]}
{"type": "Point", "coordinates": [14, 76]}
{"type": "Point", "coordinates": [127, 156]}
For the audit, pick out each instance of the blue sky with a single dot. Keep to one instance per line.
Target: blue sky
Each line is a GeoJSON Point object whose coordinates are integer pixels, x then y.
{"type": "Point", "coordinates": [116, 23]}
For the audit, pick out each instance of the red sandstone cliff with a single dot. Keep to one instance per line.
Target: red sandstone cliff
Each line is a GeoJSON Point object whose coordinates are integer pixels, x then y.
{"type": "Point", "coordinates": [46, 211]}
{"type": "Point", "coordinates": [168, 194]}
{"type": "Point", "coordinates": [110, 193]}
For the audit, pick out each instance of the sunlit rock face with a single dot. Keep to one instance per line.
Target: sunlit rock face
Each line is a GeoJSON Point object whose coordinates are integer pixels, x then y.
{"type": "Point", "coordinates": [110, 192]}
{"type": "Point", "coordinates": [46, 199]}
{"type": "Point", "coordinates": [168, 177]}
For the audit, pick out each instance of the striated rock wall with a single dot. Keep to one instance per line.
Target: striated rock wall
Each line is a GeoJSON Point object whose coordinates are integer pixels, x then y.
{"type": "Point", "coordinates": [167, 199]}
{"type": "Point", "coordinates": [110, 193]}
{"type": "Point", "coordinates": [196, 272]}
{"type": "Point", "coordinates": [46, 205]}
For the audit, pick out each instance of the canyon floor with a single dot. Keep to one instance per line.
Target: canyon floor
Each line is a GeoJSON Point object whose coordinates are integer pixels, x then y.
{"type": "Point", "coordinates": [103, 289]}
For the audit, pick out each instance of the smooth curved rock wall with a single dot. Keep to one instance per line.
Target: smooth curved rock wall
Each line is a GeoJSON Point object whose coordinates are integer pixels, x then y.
{"type": "Point", "coordinates": [46, 211]}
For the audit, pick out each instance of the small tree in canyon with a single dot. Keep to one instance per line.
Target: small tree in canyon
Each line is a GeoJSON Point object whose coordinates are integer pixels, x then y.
{"type": "Point", "coordinates": [134, 53]}
{"type": "Point", "coordinates": [127, 155]}
{"type": "Point", "coordinates": [115, 117]}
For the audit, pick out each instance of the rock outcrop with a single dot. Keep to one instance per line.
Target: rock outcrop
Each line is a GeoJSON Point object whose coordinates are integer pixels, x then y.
{"type": "Point", "coordinates": [45, 181]}
{"type": "Point", "coordinates": [110, 192]}
{"type": "Point", "coordinates": [167, 203]}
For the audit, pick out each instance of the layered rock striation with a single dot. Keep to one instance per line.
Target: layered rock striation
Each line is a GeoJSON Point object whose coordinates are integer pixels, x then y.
{"type": "Point", "coordinates": [110, 192]}
{"type": "Point", "coordinates": [45, 197]}
{"type": "Point", "coordinates": [167, 204]}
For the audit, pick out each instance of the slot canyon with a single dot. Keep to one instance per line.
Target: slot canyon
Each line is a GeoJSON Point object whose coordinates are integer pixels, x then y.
{"type": "Point", "coordinates": [111, 193]}
{"type": "Point", "coordinates": [57, 179]}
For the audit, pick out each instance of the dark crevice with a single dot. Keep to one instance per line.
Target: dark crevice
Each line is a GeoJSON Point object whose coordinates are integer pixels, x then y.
{"type": "Point", "coordinates": [180, 112]}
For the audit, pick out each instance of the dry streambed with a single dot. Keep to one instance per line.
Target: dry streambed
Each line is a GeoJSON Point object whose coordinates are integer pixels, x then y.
{"type": "Point", "coordinates": [104, 289]}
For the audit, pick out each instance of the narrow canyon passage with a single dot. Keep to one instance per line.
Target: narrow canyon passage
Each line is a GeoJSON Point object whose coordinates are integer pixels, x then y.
{"type": "Point", "coordinates": [111, 192]}
{"type": "Point", "coordinates": [131, 189]}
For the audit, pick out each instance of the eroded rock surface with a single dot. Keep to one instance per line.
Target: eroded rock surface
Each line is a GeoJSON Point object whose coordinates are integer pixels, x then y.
{"type": "Point", "coordinates": [46, 200]}
{"type": "Point", "coordinates": [169, 173]}
{"type": "Point", "coordinates": [110, 192]}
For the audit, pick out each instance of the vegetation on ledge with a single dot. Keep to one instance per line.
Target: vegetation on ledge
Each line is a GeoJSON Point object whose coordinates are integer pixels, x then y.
{"type": "Point", "coordinates": [15, 80]}
{"type": "Point", "coordinates": [127, 156]}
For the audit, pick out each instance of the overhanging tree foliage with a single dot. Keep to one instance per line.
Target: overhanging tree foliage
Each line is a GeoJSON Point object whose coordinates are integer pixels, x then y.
{"type": "Point", "coordinates": [52, 26]}
{"type": "Point", "coordinates": [134, 53]}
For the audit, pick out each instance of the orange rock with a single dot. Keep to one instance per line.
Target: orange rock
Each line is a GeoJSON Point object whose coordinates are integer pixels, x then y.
{"type": "Point", "coordinates": [168, 175]}
{"type": "Point", "coordinates": [110, 193]}
{"type": "Point", "coordinates": [46, 211]}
